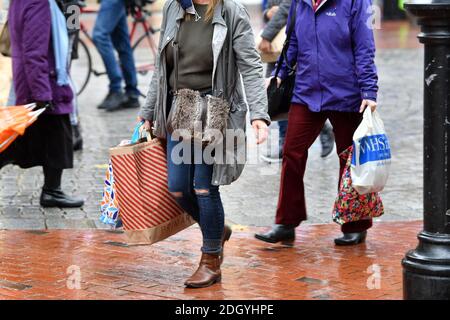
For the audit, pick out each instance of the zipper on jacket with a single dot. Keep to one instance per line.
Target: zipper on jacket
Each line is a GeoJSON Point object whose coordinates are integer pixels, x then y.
{"type": "Point", "coordinates": [317, 58]}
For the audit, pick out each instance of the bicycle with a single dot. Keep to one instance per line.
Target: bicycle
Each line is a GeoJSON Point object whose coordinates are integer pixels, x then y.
{"type": "Point", "coordinates": [144, 51]}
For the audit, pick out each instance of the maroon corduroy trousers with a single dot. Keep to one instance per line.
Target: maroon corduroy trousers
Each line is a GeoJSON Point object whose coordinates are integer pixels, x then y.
{"type": "Point", "coordinates": [304, 127]}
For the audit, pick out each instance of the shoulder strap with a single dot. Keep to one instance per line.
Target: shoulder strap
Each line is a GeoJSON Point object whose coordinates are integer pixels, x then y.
{"type": "Point", "coordinates": [175, 46]}
{"type": "Point", "coordinates": [290, 30]}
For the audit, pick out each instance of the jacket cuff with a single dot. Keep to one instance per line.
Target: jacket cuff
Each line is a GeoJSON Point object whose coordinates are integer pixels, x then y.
{"type": "Point", "coordinates": [146, 115]}
{"type": "Point", "coordinates": [266, 35]}
{"type": "Point", "coordinates": [42, 97]}
{"type": "Point", "coordinates": [260, 116]}
{"type": "Point", "coordinates": [265, 18]}
{"type": "Point", "coordinates": [369, 95]}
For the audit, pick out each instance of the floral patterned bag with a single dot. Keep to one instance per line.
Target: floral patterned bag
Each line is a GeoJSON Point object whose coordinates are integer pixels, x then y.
{"type": "Point", "coordinates": [350, 206]}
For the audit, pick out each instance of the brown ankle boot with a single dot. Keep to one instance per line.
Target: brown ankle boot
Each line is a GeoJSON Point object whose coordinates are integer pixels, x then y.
{"type": "Point", "coordinates": [207, 274]}
{"type": "Point", "coordinates": [225, 237]}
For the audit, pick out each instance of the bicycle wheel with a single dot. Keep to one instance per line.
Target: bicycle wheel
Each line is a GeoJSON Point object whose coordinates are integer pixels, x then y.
{"type": "Point", "coordinates": [144, 52]}
{"type": "Point", "coordinates": [82, 67]}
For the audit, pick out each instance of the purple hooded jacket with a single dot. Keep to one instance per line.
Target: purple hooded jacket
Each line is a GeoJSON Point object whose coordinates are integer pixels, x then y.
{"type": "Point", "coordinates": [32, 56]}
{"type": "Point", "coordinates": [334, 49]}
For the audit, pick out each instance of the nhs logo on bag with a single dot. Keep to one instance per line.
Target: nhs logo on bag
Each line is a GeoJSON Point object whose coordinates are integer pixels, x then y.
{"type": "Point", "coordinates": [371, 159]}
{"type": "Point", "coordinates": [372, 148]}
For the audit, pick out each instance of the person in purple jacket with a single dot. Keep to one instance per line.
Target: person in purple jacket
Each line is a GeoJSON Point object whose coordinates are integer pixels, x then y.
{"type": "Point", "coordinates": [47, 142]}
{"type": "Point", "coordinates": [334, 49]}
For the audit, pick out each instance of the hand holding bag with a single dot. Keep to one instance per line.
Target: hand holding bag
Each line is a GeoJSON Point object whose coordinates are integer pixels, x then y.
{"type": "Point", "coordinates": [147, 209]}
{"type": "Point", "coordinates": [109, 208]}
{"type": "Point", "coordinates": [5, 41]}
{"type": "Point", "coordinates": [191, 109]}
{"type": "Point", "coordinates": [279, 97]}
{"type": "Point", "coordinates": [277, 46]}
{"type": "Point", "coordinates": [371, 159]}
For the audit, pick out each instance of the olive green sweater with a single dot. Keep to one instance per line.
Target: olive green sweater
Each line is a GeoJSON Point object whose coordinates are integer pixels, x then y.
{"type": "Point", "coordinates": [195, 59]}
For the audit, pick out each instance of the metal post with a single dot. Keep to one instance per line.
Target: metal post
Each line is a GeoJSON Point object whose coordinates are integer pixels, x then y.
{"type": "Point", "coordinates": [426, 270]}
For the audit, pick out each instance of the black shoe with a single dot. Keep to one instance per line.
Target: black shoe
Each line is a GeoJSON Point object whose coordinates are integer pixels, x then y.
{"type": "Point", "coordinates": [102, 105]}
{"type": "Point", "coordinates": [113, 101]}
{"type": "Point", "coordinates": [350, 239]}
{"type": "Point", "coordinates": [57, 198]}
{"type": "Point", "coordinates": [77, 138]}
{"type": "Point", "coordinates": [327, 140]}
{"type": "Point", "coordinates": [278, 233]}
{"type": "Point", "coordinates": [131, 102]}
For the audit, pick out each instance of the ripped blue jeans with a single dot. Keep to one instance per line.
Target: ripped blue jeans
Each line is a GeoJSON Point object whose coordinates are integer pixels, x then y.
{"type": "Point", "coordinates": [190, 184]}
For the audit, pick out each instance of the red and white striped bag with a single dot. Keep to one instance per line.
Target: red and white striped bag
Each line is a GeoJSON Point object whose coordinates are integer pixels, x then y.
{"type": "Point", "coordinates": [148, 211]}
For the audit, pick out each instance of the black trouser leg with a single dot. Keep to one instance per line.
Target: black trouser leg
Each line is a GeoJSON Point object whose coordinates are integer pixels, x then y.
{"type": "Point", "coordinates": [52, 178]}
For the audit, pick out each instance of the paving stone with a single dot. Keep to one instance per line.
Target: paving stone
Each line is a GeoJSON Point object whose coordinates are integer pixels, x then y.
{"type": "Point", "coordinates": [62, 223]}
{"type": "Point", "coordinates": [314, 268]}
{"type": "Point", "coordinates": [22, 223]}
{"type": "Point", "coordinates": [30, 212]}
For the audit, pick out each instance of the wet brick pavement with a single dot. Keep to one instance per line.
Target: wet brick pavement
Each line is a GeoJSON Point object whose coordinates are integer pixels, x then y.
{"type": "Point", "coordinates": [252, 199]}
{"type": "Point", "coordinates": [95, 264]}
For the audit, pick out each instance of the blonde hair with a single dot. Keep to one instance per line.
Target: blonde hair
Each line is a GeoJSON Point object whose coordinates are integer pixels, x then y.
{"type": "Point", "coordinates": [211, 7]}
{"type": "Point", "coordinates": [209, 11]}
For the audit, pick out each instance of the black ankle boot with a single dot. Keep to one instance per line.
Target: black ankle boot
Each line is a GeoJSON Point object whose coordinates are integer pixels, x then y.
{"type": "Point", "coordinates": [278, 233]}
{"type": "Point", "coordinates": [57, 198]}
{"type": "Point", "coordinates": [350, 239]}
{"type": "Point", "coordinates": [77, 138]}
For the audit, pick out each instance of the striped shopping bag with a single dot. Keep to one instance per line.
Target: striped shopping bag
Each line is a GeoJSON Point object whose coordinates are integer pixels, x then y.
{"type": "Point", "coordinates": [148, 211]}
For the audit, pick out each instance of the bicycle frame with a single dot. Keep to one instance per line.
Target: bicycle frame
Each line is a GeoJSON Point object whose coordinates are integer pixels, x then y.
{"type": "Point", "coordinates": [139, 17]}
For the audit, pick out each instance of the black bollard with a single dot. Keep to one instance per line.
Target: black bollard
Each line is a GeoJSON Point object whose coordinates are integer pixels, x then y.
{"type": "Point", "coordinates": [426, 270]}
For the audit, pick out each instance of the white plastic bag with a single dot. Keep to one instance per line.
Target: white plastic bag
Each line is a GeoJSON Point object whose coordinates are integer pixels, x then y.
{"type": "Point", "coordinates": [371, 159]}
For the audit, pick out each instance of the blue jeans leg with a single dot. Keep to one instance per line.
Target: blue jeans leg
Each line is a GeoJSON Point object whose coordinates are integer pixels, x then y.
{"type": "Point", "coordinates": [11, 96]}
{"type": "Point", "coordinates": [111, 12]}
{"type": "Point", "coordinates": [282, 127]}
{"type": "Point", "coordinates": [180, 179]}
{"type": "Point", "coordinates": [212, 216]}
{"type": "Point", "coordinates": [191, 185]}
{"type": "Point", "coordinates": [121, 41]}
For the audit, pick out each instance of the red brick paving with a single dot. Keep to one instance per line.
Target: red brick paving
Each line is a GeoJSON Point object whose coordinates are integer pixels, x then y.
{"type": "Point", "coordinates": [33, 265]}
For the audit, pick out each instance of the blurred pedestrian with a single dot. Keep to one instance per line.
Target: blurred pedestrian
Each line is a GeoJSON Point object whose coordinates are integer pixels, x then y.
{"type": "Point", "coordinates": [11, 100]}
{"type": "Point", "coordinates": [336, 79]}
{"type": "Point", "coordinates": [209, 67]}
{"type": "Point", "coordinates": [276, 16]}
{"type": "Point", "coordinates": [110, 35]}
{"type": "Point", "coordinates": [40, 59]}
{"type": "Point", "coordinates": [66, 7]}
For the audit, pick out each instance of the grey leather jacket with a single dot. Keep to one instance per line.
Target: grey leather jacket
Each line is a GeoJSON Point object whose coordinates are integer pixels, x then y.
{"type": "Point", "coordinates": [237, 67]}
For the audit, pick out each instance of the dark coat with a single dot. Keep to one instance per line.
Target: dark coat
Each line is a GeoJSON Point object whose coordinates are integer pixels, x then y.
{"type": "Point", "coordinates": [278, 21]}
{"type": "Point", "coordinates": [34, 74]}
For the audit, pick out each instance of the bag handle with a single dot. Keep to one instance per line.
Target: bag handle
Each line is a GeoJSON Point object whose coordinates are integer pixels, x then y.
{"type": "Point", "coordinates": [283, 56]}
{"type": "Point", "coordinates": [368, 114]}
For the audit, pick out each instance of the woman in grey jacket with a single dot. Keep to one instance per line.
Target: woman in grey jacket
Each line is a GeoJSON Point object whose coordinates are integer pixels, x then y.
{"type": "Point", "coordinates": [216, 47]}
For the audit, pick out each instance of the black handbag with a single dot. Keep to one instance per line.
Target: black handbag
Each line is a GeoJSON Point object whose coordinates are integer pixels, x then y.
{"type": "Point", "coordinates": [279, 97]}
